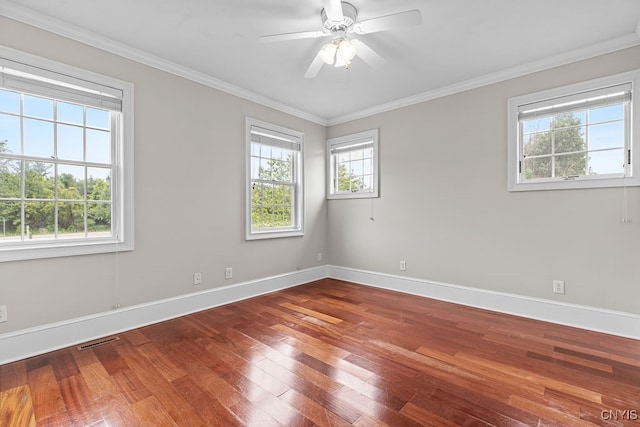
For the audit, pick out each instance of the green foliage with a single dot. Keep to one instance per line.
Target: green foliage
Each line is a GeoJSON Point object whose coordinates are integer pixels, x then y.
{"type": "Point", "coordinates": [564, 136]}
{"type": "Point", "coordinates": [39, 205]}
{"type": "Point", "coordinates": [347, 181]}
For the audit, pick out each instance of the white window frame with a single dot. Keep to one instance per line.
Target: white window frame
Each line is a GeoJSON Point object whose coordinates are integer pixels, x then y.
{"type": "Point", "coordinates": [272, 134]}
{"type": "Point", "coordinates": [78, 80]}
{"type": "Point", "coordinates": [572, 93]}
{"type": "Point", "coordinates": [369, 137]}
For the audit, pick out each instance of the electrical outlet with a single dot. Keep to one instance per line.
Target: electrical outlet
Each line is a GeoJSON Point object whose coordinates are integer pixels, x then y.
{"type": "Point", "coordinates": [558, 286]}
{"type": "Point", "coordinates": [228, 273]}
{"type": "Point", "coordinates": [197, 278]}
{"type": "Point", "coordinates": [3, 313]}
{"type": "Point", "coordinates": [319, 256]}
{"type": "Point", "coordinates": [403, 265]}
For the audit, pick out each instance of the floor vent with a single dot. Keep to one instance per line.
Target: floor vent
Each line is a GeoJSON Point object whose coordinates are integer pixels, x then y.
{"type": "Point", "coordinates": [93, 344]}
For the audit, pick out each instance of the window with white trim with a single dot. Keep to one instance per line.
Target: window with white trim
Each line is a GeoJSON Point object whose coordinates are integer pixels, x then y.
{"type": "Point", "coordinates": [65, 160]}
{"type": "Point", "coordinates": [274, 181]}
{"type": "Point", "coordinates": [579, 136]}
{"type": "Point", "coordinates": [352, 166]}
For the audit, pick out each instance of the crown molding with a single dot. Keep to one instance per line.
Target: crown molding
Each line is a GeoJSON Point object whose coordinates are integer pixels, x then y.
{"type": "Point", "coordinates": [609, 46]}
{"type": "Point", "coordinates": [47, 23]}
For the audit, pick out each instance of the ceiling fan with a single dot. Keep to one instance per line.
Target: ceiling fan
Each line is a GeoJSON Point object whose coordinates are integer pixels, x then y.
{"type": "Point", "coordinates": [339, 21]}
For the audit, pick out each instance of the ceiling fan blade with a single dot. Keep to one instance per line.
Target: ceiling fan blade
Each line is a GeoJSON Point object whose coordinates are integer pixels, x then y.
{"type": "Point", "coordinates": [387, 22]}
{"type": "Point", "coordinates": [292, 36]}
{"type": "Point", "coordinates": [333, 9]}
{"type": "Point", "coordinates": [314, 68]}
{"type": "Point", "coordinates": [367, 54]}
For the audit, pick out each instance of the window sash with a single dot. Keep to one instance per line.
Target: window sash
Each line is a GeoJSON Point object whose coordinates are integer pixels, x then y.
{"type": "Point", "coordinates": [264, 134]}
{"type": "Point", "coordinates": [340, 146]}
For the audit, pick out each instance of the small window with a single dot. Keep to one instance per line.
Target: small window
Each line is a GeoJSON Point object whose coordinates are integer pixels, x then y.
{"type": "Point", "coordinates": [352, 163]}
{"type": "Point", "coordinates": [65, 161]}
{"type": "Point", "coordinates": [574, 137]}
{"type": "Point", "coordinates": [274, 181]}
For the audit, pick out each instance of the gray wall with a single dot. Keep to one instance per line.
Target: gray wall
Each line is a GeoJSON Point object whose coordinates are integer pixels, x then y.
{"type": "Point", "coordinates": [189, 170]}
{"type": "Point", "coordinates": [445, 209]}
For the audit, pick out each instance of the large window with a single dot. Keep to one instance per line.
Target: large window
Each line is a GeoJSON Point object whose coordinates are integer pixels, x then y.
{"type": "Point", "coordinates": [274, 181]}
{"type": "Point", "coordinates": [64, 160]}
{"type": "Point", "coordinates": [574, 137]}
{"type": "Point", "coordinates": [352, 166]}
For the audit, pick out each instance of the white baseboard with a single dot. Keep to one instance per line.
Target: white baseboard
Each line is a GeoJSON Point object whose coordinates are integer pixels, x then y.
{"type": "Point", "coordinates": [33, 341]}
{"type": "Point", "coordinates": [579, 316]}
{"type": "Point", "coordinates": [30, 342]}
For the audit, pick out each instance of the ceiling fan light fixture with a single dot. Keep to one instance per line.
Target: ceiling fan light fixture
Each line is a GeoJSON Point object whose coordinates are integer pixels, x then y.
{"type": "Point", "coordinates": [346, 50]}
{"type": "Point", "coordinates": [328, 53]}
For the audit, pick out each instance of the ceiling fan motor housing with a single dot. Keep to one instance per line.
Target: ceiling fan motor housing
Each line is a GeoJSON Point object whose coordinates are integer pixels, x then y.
{"type": "Point", "coordinates": [349, 13]}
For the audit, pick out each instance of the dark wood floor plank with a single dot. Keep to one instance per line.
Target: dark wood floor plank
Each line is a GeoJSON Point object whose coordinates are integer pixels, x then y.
{"type": "Point", "coordinates": [332, 353]}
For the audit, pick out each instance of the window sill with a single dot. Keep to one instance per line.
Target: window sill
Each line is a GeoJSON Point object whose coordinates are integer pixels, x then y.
{"type": "Point", "coordinates": [61, 250]}
{"type": "Point", "coordinates": [578, 183]}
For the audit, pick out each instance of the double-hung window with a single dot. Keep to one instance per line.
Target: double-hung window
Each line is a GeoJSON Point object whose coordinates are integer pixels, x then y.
{"type": "Point", "coordinates": [65, 160]}
{"type": "Point", "coordinates": [579, 136]}
{"type": "Point", "coordinates": [274, 181]}
{"type": "Point", "coordinates": [352, 166]}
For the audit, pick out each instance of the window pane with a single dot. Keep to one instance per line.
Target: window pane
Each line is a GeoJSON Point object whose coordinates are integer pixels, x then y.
{"type": "Point", "coordinates": [70, 182]}
{"type": "Point", "coordinates": [98, 118]}
{"type": "Point", "coordinates": [255, 167]}
{"type": "Point", "coordinates": [99, 219]}
{"type": "Point", "coordinates": [537, 125]}
{"type": "Point", "coordinates": [604, 114]}
{"type": "Point", "coordinates": [368, 166]}
{"type": "Point", "coordinates": [539, 167]}
{"type": "Point", "coordinates": [607, 135]}
{"type": "Point", "coordinates": [569, 140]}
{"type": "Point", "coordinates": [10, 178]}
{"type": "Point", "coordinates": [267, 194]}
{"type": "Point", "coordinates": [38, 107]}
{"type": "Point", "coordinates": [537, 144]}
{"type": "Point", "coordinates": [265, 169]}
{"type": "Point", "coordinates": [609, 161]}
{"type": "Point", "coordinates": [98, 146]}
{"type": "Point", "coordinates": [256, 217]}
{"type": "Point", "coordinates": [10, 214]}
{"type": "Point", "coordinates": [9, 101]}
{"type": "Point", "coordinates": [9, 134]}
{"type": "Point", "coordinates": [70, 113]}
{"type": "Point", "coordinates": [38, 138]}
{"type": "Point", "coordinates": [367, 182]}
{"type": "Point", "coordinates": [38, 180]}
{"type": "Point", "coordinates": [570, 119]}
{"type": "Point", "coordinates": [39, 219]}
{"type": "Point", "coordinates": [286, 220]}
{"type": "Point", "coordinates": [256, 193]}
{"type": "Point", "coordinates": [71, 219]}
{"type": "Point", "coordinates": [70, 142]}
{"type": "Point", "coordinates": [99, 184]}
{"type": "Point", "coordinates": [571, 165]}
{"type": "Point", "coordinates": [282, 170]}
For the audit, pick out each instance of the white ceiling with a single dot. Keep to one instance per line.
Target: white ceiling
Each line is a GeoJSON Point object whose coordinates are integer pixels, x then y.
{"type": "Point", "coordinates": [460, 44]}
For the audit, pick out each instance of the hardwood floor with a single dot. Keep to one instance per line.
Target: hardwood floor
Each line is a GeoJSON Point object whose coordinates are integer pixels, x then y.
{"type": "Point", "coordinates": [333, 353]}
